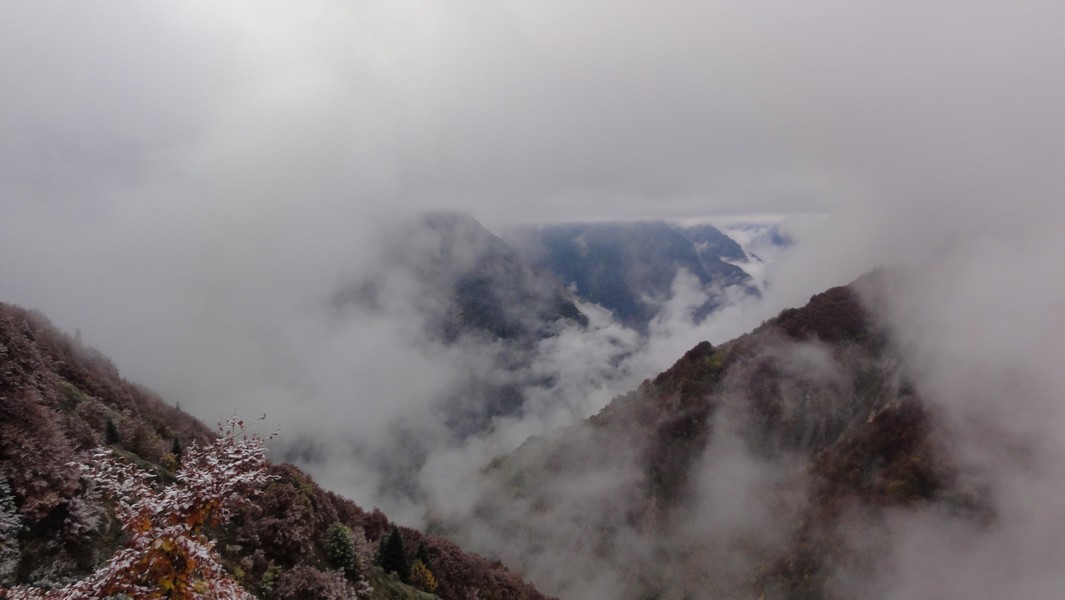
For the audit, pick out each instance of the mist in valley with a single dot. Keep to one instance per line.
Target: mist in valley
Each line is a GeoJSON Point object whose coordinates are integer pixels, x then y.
{"type": "Point", "coordinates": [221, 199]}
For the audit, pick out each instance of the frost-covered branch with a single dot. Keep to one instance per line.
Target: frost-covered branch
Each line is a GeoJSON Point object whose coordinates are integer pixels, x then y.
{"type": "Point", "coordinates": [169, 554]}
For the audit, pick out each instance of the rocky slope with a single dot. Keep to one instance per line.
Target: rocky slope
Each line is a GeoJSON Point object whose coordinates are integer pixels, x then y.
{"type": "Point", "coordinates": [744, 470]}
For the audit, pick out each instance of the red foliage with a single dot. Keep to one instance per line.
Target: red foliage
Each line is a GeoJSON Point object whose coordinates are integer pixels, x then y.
{"type": "Point", "coordinates": [281, 524]}
{"type": "Point", "coordinates": [836, 315]}
{"type": "Point", "coordinates": [55, 395]}
{"type": "Point", "coordinates": [35, 453]}
{"type": "Point", "coordinates": [169, 553]}
{"type": "Point", "coordinates": [308, 583]}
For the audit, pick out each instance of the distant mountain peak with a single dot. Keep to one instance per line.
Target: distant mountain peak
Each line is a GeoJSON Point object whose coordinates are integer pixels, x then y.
{"type": "Point", "coordinates": [630, 267]}
{"type": "Point", "coordinates": [471, 280]}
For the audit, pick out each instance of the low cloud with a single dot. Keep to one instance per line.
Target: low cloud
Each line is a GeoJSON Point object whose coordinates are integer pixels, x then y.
{"type": "Point", "coordinates": [190, 186]}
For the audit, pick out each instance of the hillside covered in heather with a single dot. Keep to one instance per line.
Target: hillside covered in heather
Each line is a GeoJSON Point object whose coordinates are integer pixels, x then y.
{"type": "Point", "coordinates": [60, 399]}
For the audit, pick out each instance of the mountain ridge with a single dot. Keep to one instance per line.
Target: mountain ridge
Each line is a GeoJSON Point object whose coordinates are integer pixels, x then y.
{"type": "Point", "coordinates": [810, 419]}
{"type": "Point", "coordinates": [741, 470]}
{"type": "Point", "coordinates": [59, 399]}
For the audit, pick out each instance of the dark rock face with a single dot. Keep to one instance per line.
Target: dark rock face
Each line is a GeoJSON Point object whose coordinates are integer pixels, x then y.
{"type": "Point", "coordinates": [629, 267]}
{"type": "Point", "coordinates": [466, 281]}
{"type": "Point", "coordinates": [712, 244]}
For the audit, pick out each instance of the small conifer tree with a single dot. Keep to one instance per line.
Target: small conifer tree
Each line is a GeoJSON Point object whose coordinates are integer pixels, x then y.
{"type": "Point", "coordinates": [341, 548]}
{"type": "Point", "coordinates": [111, 436]}
{"type": "Point", "coordinates": [423, 555]}
{"type": "Point", "coordinates": [394, 556]}
{"type": "Point", "coordinates": [381, 549]}
{"type": "Point", "coordinates": [175, 448]}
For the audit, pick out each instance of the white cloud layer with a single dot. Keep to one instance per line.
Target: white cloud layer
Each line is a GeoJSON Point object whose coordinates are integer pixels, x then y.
{"type": "Point", "coordinates": [189, 183]}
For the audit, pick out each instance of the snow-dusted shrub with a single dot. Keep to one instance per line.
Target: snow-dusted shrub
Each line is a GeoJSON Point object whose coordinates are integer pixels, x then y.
{"type": "Point", "coordinates": [169, 553]}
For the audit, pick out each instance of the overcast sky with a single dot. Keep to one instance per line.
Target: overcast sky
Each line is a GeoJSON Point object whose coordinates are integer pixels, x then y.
{"type": "Point", "coordinates": [169, 168]}
{"type": "Point", "coordinates": [189, 182]}
{"type": "Point", "coordinates": [524, 110]}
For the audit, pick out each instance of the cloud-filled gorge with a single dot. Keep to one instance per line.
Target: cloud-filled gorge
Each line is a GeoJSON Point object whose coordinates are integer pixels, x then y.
{"type": "Point", "coordinates": [223, 200]}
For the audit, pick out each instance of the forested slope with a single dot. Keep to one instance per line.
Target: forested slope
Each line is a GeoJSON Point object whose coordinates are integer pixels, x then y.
{"type": "Point", "coordinates": [60, 399]}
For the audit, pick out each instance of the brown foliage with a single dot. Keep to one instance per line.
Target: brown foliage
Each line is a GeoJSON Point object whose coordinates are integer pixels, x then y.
{"type": "Point", "coordinates": [836, 315]}
{"type": "Point", "coordinates": [168, 552]}
{"type": "Point", "coordinates": [55, 398]}
{"type": "Point", "coordinates": [892, 459]}
{"type": "Point", "coordinates": [282, 523]}
{"type": "Point", "coordinates": [305, 582]}
{"type": "Point", "coordinates": [34, 454]}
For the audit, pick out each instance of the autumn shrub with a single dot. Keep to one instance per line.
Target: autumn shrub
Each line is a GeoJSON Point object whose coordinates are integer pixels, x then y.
{"type": "Point", "coordinates": [79, 433]}
{"type": "Point", "coordinates": [280, 524]}
{"type": "Point", "coordinates": [142, 440]}
{"type": "Point", "coordinates": [421, 577]}
{"type": "Point", "coordinates": [305, 582]}
{"type": "Point", "coordinates": [169, 553]}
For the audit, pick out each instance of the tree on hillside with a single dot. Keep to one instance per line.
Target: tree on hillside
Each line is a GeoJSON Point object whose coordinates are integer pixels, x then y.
{"type": "Point", "coordinates": [341, 547]}
{"type": "Point", "coordinates": [169, 554]}
{"type": "Point", "coordinates": [423, 555]}
{"type": "Point", "coordinates": [111, 436]}
{"type": "Point", "coordinates": [421, 577]}
{"type": "Point", "coordinates": [421, 570]}
{"type": "Point", "coordinates": [393, 557]}
{"type": "Point", "coordinates": [10, 526]}
{"type": "Point", "coordinates": [304, 582]}
{"type": "Point", "coordinates": [175, 448]}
